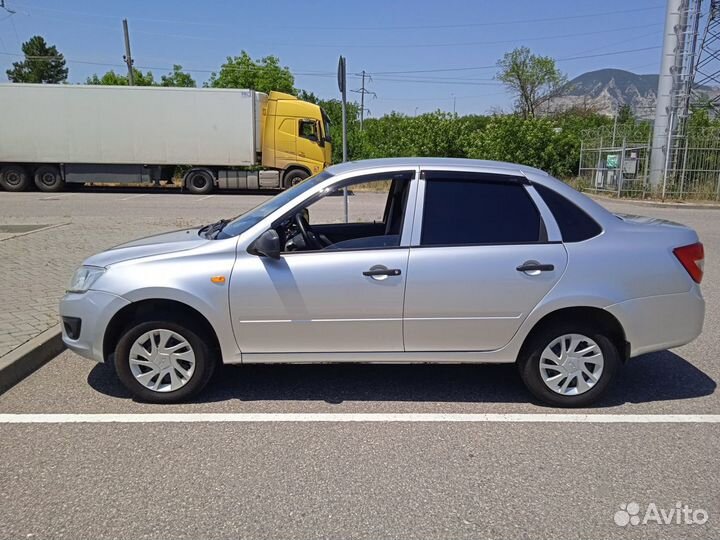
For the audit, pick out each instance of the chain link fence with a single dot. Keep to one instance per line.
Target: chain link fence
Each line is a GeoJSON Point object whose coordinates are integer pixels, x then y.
{"type": "Point", "coordinates": [616, 160]}
{"type": "Point", "coordinates": [693, 166]}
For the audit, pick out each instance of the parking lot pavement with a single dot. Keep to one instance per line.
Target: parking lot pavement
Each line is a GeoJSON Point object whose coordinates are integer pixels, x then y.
{"type": "Point", "coordinates": [489, 477]}
{"type": "Point", "coordinates": [44, 237]}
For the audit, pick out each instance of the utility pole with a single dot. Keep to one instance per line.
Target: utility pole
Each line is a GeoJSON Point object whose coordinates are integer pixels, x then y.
{"type": "Point", "coordinates": [664, 120]}
{"type": "Point", "coordinates": [362, 93]}
{"type": "Point", "coordinates": [342, 86]}
{"type": "Point", "coordinates": [128, 59]}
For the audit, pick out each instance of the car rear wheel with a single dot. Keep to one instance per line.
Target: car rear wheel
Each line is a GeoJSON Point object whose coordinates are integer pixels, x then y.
{"type": "Point", "coordinates": [568, 365]}
{"type": "Point", "coordinates": [163, 362]}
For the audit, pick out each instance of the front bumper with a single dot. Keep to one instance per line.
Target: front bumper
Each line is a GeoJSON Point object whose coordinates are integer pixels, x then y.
{"type": "Point", "coordinates": [94, 309]}
{"type": "Point", "coordinates": [656, 323]}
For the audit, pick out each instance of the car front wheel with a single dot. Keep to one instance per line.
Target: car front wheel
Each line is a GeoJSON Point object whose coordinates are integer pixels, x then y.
{"type": "Point", "coordinates": [163, 362]}
{"type": "Point", "coordinates": [568, 365]}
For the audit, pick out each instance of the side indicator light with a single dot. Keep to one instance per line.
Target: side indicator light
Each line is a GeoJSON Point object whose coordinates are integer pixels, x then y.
{"type": "Point", "coordinates": [218, 279]}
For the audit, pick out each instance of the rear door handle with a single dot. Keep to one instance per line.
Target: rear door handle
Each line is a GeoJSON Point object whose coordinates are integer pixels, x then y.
{"type": "Point", "coordinates": [382, 272]}
{"type": "Point", "coordinates": [532, 266]}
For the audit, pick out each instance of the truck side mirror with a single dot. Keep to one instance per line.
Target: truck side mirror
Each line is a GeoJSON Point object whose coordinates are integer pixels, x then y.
{"type": "Point", "coordinates": [266, 245]}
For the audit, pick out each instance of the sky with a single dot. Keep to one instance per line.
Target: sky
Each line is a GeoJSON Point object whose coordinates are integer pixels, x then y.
{"type": "Point", "coordinates": [420, 55]}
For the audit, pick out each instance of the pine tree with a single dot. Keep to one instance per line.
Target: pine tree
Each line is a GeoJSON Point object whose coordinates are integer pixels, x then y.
{"type": "Point", "coordinates": [42, 64]}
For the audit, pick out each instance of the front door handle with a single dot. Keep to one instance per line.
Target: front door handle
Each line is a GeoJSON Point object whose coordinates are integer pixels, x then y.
{"type": "Point", "coordinates": [382, 272]}
{"type": "Point", "coordinates": [535, 267]}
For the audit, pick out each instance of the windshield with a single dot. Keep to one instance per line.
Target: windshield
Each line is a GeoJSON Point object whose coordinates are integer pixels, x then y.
{"type": "Point", "coordinates": [244, 221]}
{"type": "Point", "coordinates": [326, 125]}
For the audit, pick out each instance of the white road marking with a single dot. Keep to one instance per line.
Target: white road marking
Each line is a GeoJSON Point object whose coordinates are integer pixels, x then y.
{"type": "Point", "coordinates": [143, 418]}
{"type": "Point", "coordinates": [54, 197]}
{"type": "Point", "coordinates": [205, 197]}
{"type": "Point", "coordinates": [133, 197]}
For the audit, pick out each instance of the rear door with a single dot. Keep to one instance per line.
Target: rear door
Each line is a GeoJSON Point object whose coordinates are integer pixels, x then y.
{"type": "Point", "coordinates": [480, 261]}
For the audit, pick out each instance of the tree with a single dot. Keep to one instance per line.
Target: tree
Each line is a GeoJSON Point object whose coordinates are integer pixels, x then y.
{"type": "Point", "coordinates": [42, 64]}
{"type": "Point", "coordinates": [533, 79]}
{"type": "Point", "coordinates": [116, 79]}
{"type": "Point", "coordinates": [178, 78]}
{"type": "Point", "coordinates": [263, 75]}
{"type": "Point", "coordinates": [625, 114]}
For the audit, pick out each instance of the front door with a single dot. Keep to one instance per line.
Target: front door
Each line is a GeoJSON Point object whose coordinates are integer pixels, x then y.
{"type": "Point", "coordinates": [341, 289]}
{"type": "Point", "coordinates": [319, 302]}
{"type": "Point", "coordinates": [466, 288]}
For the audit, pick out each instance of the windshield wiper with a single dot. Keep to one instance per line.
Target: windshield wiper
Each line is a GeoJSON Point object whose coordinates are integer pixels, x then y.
{"type": "Point", "coordinates": [210, 231]}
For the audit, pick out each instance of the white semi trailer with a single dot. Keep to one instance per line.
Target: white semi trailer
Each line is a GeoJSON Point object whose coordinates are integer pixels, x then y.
{"type": "Point", "coordinates": [57, 135]}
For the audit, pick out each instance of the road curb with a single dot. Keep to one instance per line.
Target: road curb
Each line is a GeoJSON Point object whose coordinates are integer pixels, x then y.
{"type": "Point", "coordinates": [655, 204]}
{"type": "Point", "coordinates": [21, 362]}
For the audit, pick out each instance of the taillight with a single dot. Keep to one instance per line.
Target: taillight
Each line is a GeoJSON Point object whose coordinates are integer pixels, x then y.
{"type": "Point", "coordinates": [692, 258]}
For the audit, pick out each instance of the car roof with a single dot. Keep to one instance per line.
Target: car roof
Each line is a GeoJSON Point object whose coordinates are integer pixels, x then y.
{"type": "Point", "coordinates": [412, 162]}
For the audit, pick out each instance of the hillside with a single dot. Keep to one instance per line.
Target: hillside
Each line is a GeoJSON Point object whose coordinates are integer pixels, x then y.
{"type": "Point", "coordinates": [606, 90]}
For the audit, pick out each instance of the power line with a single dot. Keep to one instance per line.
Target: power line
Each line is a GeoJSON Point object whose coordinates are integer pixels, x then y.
{"type": "Point", "coordinates": [3, 6]}
{"type": "Point", "coordinates": [378, 75]}
{"type": "Point", "coordinates": [467, 43]}
{"type": "Point", "coordinates": [494, 66]}
{"type": "Point", "coordinates": [365, 28]}
{"type": "Point", "coordinates": [355, 45]}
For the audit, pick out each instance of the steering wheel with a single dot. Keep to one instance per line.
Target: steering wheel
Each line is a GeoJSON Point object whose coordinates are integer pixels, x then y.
{"type": "Point", "coordinates": [307, 233]}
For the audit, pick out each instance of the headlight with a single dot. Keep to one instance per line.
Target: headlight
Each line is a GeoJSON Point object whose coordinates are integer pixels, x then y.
{"type": "Point", "coordinates": [84, 277]}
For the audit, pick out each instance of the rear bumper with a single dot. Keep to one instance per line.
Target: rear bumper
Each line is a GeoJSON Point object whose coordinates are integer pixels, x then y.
{"type": "Point", "coordinates": [94, 310]}
{"type": "Point", "coordinates": [655, 323]}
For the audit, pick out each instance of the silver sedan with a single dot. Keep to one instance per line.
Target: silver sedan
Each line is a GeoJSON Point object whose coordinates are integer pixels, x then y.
{"type": "Point", "coordinates": [425, 260]}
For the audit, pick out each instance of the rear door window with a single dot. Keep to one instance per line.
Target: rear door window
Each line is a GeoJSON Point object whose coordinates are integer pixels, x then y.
{"type": "Point", "coordinates": [475, 209]}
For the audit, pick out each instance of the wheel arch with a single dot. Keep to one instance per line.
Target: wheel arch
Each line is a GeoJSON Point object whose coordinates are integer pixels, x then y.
{"type": "Point", "coordinates": [145, 310]}
{"type": "Point", "coordinates": [606, 322]}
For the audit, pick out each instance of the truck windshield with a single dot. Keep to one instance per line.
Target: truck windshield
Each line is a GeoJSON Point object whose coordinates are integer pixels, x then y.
{"type": "Point", "coordinates": [244, 221]}
{"type": "Point", "coordinates": [326, 125]}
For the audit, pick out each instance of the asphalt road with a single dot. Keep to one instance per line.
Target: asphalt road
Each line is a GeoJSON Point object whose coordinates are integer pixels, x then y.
{"type": "Point", "coordinates": [340, 479]}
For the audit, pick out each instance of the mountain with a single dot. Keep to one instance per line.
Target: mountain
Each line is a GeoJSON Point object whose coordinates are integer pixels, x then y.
{"type": "Point", "coordinates": [606, 90]}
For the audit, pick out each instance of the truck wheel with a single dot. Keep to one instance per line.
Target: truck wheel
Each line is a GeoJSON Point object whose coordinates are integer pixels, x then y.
{"type": "Point", "coordinates": [199, 182]}
{"type": "Point", "coordinates": [14, 178]}
{"type": "Point", "coordinates": [294, 177]}
{"type": "Point", "coordinates": [48, 178]}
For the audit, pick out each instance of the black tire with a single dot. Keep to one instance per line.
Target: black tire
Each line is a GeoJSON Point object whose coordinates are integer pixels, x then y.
{"type": "Point", "coordinates": [14, 178]}
{"type": "Point", "coordinates": [49, 179]}
{"type": "Point", "coordinates": [293, 177]}
{"type": "Point", "coordinates": [205, 361]}
{"type": "Point", "coordinates": [529, 364]}
{"type": "Point", "coordinates": [199, 182]}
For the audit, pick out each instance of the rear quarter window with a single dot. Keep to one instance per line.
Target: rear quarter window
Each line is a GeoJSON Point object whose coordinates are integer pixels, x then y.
{"type": "Point", "coordinates": [574, 223]}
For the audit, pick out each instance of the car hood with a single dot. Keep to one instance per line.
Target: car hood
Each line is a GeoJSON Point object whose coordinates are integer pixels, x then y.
{"type": "Point", "coordinates": [158, 244]}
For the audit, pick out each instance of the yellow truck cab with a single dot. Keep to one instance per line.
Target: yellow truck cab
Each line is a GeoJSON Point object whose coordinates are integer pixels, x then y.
{"type": "Point", "coordinates": [295, 137]}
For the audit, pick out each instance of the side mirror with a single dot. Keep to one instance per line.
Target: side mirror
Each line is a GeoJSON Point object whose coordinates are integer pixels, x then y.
{"type": "Point", "coordinates": [266, 245]}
